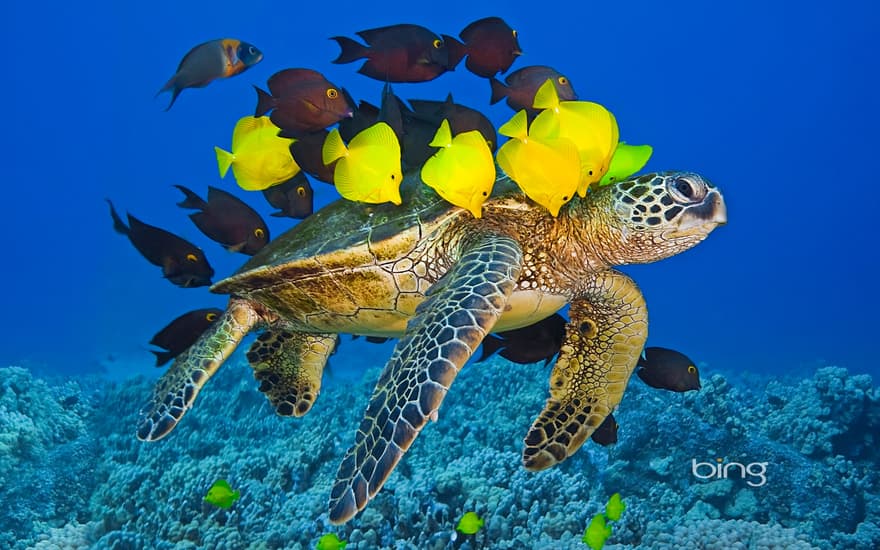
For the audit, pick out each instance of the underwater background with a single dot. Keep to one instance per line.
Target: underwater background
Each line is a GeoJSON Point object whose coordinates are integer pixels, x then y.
{"type": "Point", "coordinates": [774, 102]}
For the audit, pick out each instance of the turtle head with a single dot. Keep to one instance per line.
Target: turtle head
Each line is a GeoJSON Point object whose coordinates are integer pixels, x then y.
{"type": "Point", "coordinates": [660, 215]}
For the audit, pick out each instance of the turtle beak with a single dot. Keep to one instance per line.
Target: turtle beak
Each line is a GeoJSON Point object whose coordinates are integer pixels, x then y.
{"type": "Point", "coordinates": [702, 218]}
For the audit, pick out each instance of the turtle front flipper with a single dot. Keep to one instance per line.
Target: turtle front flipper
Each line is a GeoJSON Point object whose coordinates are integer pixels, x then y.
{"type": "Point", "coordinates": [606, 333]}
{"type": "Point", "coordinates": [178, 387]}
{"type": "Point", "coordinates": [289, 365]}
{"type": "Point", "coordinates": [447, 328]}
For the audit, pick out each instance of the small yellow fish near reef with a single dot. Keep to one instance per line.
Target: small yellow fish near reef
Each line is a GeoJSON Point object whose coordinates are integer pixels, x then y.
{"type": "Point", "coordinates": [330, 542]}
{"type": "Point", "coordinates": [221, 494]}
{"type": "Point", "coordinates": [627, 160]}
{"type": "Point", "coordinates": [368, 169]}
{"type": "Point", "coordinates": [615, 507]}
{"type": "Point", "coordinates": [598, 530]}
{"type": "Point", "coordinates": [259, 158]}
{"type": "Point", "coordinates": [463, 170]}
{"type": "Point", "coordinates": [591, 127]}
{"type": "Point", "coordinates": [469, 524]}
{"type": "Point", "coordinates": [547, 170]}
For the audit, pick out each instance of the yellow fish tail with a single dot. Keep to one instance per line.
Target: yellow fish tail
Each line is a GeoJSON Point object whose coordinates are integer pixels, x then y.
{"type": "Point", "coordinates": [333, 147]}
{"type": "Point", "coordinates": [517, 127]}
{"type": "Point", "coordinates": [546, 97]}
{"type": "Point", "coordinates": [224, 160]}
{"type": "Point", "coordinates": [443, 137]}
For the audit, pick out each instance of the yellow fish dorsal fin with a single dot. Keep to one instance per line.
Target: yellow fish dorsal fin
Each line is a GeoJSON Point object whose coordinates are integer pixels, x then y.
{"type": "Point", "coordinates": [333, 147]}
{"type": "Point", "coordinates": [472, 138]}
{"type": "Point", "coordinates": [546, 97]}
{"type": "Point", "coordinates": [377, 135]}
{"type": "Point", "coordinates": [517, 127]}
{"type": "Point", "coordinates": [222, 484]}
{"type": "Point", "coordinates": [245, 127]}
{"type": "Point", "coordinates": [443, 137]}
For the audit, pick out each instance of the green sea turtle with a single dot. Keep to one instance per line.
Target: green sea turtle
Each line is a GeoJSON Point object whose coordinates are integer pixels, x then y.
{"type": "Point", "coordinates": [440, 279]}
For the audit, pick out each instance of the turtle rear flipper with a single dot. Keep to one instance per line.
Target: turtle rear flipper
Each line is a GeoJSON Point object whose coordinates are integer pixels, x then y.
{"type": "Point", "coordinates": [607, 329]}
{"type": "Point", "coordinates": [289, 365]}
{"type": "Point", "coordinates": [448, 326]}
{"type": "Point", "coordinates": [178, 387]}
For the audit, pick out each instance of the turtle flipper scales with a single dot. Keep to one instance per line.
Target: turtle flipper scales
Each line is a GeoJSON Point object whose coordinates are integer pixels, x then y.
{"type": "Point", "coordinates": [289, 364]}
{"type": "Point", "coordinates": [447, 328]}
{"type": "Point", "coordinates": [178, 387]}
{"type": "Point", "coordinates": [606, 333]}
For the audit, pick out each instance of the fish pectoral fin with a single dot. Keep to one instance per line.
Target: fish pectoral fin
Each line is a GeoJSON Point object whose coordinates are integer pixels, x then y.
{"type": "Point", "coordinates": [289, 366]}
{"type": "Point", "coordinates": [449, 325]}
{"type": "Point", "coordinates": [236, 247]}
{"type": "Point", "coordinates": [178, 387]}
{"type": "Point", "coordinates": [584, 392]}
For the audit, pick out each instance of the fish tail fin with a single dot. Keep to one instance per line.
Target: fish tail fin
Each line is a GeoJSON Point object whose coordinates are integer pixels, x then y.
{"type": "Point", "coordinates": [546, 97]}
{"type": "Point", "coordinates": [224, 160]}
{"type": "Point", "coordinates": [499, 90]}
{"type": "Point", "coordinates": [456, 50]}
{"type": "Point", "coordinates": [333, 147]}
{"type": "Point", "coordinates": [491, 344]}
{"type": "Point", "coordinates": [351, 50]}
{"type": "Point", "coordinates": [192, 200]}
{"type": "Point", "coordinates": [162, 357]}
{"type": "Point", "coordinates": [265, 102]}
{"type": "Point", "coordinates": [443, 137]}
{"type": "Point", "coordinates": [118, 224]}
{"type": "Point", "coordinates": [517, 127]}
{"type": "Point", "coordinates": [175, 91]}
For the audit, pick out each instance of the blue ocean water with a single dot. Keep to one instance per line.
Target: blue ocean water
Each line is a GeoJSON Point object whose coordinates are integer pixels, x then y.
{"type": "Point", "coordinates": [774, 102]}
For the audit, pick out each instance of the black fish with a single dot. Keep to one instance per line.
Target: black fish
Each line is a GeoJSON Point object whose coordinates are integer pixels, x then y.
{"type": "Point", "coordinates": [302, 101]}
{"type": "Point", "coordinates": [538, 342]}
{"type": "Point", "coordinates": [182, 262]}
{"type": "Point", "coordinates": [522, 85]}
{"type": "Point", "coordinates": [490, 44]}
{"type": "Point", "coordinates": [294, 198]}
{"type": "Point", "coordinates": [182, 332]}
{"type": "Point", "coordinates": [668, 369]}
{"type": "Point", "coordinates": [606, 433]}
{"type": "Point", "coordinates": [391, 112]}
{"type": "Point", "coordinates": [227, 219]}
{"type": "Point", "coordinates": [397, 53]}
{"type": "Point", "coordinates": [461, 119]}
{"type": "Point", "coordinates": [306, 151]}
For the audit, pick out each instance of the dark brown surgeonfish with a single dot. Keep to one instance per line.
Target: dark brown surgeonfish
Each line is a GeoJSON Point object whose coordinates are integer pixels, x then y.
{"type": "Point", "coordinates": [293, 198]}
{"type": "Point", "coordinates": [538, 342]}
{"type": "Point", "coordinates": [522, 85]}
{"type": "Point", "coordinates": [209, 61]}
{"type": "Point", "coordinates": [226, 219]}
{"type": "Point", "coordinates": [302, 101]}
{"type": "Point", "coordinates": [182, 332]}
{"type": "Point", "coordinates": [606, 433]}
{"type": "Point", "coordinates": [668, 369]}
{"type": "Point", "coordinates": [306, 151]}
{"type": "Point", "coordinates": [182, 262]}
{"type": "Point", "coordinates": [397, 53]}
{"type": "Point", "coordinates": [490, 44]}
{"type": "Point", "coordinates": [391, 111]}
{"type": "Point", "coordinates": [461, 119]}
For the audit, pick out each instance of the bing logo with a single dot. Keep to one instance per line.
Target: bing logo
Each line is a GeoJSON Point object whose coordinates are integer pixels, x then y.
{"type": "Point", "coordinates": [722, 470]}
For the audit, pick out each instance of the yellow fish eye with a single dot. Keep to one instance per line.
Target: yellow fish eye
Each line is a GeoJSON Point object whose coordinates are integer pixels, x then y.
{"type": "Point", "coordinates": [562, 80]}
{"type": "Point", "coordinates": [692, 369]}
{"type": "Point", "coordinates": [392, 176]}
{"type": "Point", "coordinates": [192, 257]}
{"type": "Point", "coordinates": [210, 316]}
{"type": "Point", "coordinates": [301, 191]}
{"type": "Point", "coordinates": [258, 232]}
{"type": "Point", "coordinates": [438, 43]}
{"type": "Point", "coordinates": [332, 93]}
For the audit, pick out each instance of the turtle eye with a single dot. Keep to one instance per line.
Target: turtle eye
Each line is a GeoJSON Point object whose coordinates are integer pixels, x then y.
{"type": "Point", "coordinates": [692, 369]}
{"type": "Point", "coordinates": [259, 233]}
{"type": "Point", "coordinates": [562, 80]}
{"type": "Point", "coordinates": [332, 93]}
{"type": "Point", "coordinates": [210, 317]}
{"type": "Point", "coordinates": [686, 190]}
{"type": "Point", "coordinates": [301, 191]}
{"type": "Point", "coordinates": [192, 257]}
{"type": "Point", "coordinates": [438, 43]}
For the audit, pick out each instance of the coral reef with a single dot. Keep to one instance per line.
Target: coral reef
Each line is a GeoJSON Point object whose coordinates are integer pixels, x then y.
{"type": "Point", "coordinates": [74, 476]}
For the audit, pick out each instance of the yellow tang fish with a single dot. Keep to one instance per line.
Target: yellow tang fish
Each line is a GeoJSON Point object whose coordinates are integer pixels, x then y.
{"type": "Point", "coordinates": [369, 168]}
{"type": "Point", "coordinates": [463, 170]}
{"type": "Point", "coordinates": [259, 158]}
{"type": "Point", "coordinates": [591, 127]}
{"type": "Point", "coordinates": [470, 523]}
{"type": "Point", "coordinates": [547, 170]}
{"type": "Point", "coordinates": [627, 160]}
{"type": "Point", "coordinates": [221, 494]}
